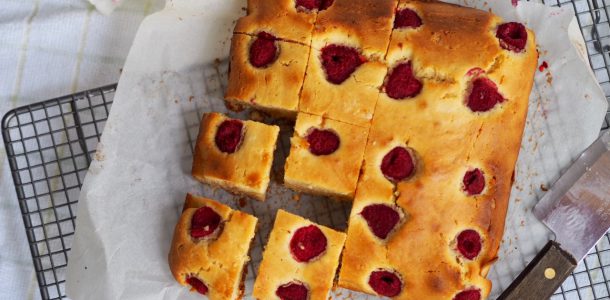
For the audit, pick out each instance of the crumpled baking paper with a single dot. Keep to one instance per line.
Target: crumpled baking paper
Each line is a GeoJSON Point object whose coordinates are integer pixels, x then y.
{"type": "Point", "coordinates": [176, 70]}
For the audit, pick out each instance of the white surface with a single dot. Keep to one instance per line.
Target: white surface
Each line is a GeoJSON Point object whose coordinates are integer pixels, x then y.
{"type": "Point", "coordinates": [132, 194]}
{"type": "Point", "coordinates": [48, 49]}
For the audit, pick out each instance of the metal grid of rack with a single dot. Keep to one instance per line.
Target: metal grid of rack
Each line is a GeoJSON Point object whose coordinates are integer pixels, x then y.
{"type": "Point", "coordinates": [50, 145]}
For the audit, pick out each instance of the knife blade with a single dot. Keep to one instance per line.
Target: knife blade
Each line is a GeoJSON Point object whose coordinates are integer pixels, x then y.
{"type": "Point", "coordinates": [577, 210]}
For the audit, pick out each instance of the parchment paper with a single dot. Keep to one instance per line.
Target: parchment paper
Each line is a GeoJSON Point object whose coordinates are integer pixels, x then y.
{"type": "Point", "coordinates": [176, 70]}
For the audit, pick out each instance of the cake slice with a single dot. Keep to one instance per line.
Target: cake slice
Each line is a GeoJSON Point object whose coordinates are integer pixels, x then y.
{"type": "Point", "coordinates": [288, 20]}
{"type": "Point", "coordinates": [346, 69]}
{"type": "Point", "coordinates": [266, 73]}
{"type": "Point", "coordinates": [235, 155]}
{"type": "Point", "coordinates": [325, 157]}
{"type": "Point", "coordinates": [300, 260]}
{"type": "Point", "coordinates": [209, 250]}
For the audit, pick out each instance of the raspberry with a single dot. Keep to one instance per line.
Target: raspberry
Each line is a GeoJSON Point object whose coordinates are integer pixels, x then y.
{"type": "Point", "coordinates": [406, 18]}
{"type": "Point", "coordinates": [307, 243]}
{"type": "Point", "coordinates": [468, 295]}
{"type": "Point", "coordinates": [263, 50]}
{"type": "Point", "coordinates": [340, 62]}
{"type": "Point", "coordinates": [385, 283]}
{"type": "Point", "coordinates": [474, 182]}
{"type": "Point", "coordinates": [397, 164]}
{"type": "Point", "coordinates": [292, 291]}
{"type": "Point", "coordinates": [381, 219]}
{"type": "Point", "coordinates": [484, 95]}
{"type": "Point", "coordinates": [402, 83]}
{"type": "Point", "coordinates": [512, 36]}
{"type": "Point", "coordinates": [198, 285]}
{"type": "Point", "coordinates": [323, 142]}
{"type": "Point", "coordinates": [469, 243]}
{"type": "Point", "coordinates": [229, 136]}
{"type": "Point", "coordinates": [205, 221]}
{"type": "Point", "coordinates": [314, 4]}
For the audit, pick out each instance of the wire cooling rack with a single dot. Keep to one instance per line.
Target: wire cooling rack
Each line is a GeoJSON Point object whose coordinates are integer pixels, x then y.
{"type": "Point", "coordinates": [51, 144]}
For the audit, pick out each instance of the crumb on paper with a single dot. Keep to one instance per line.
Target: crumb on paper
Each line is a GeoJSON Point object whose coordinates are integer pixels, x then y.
{"type": "Point", "coordinates": [242, 202]}
{"type": "Point", "coordinates": [191, 98]}
{"type": "Point", "coordinates": [257, 116]}
{"type": "Point", "coordinates": [544, 188]}
{"type": "Point", "coordinates": [549, 78]}
{"type": "Point", "coordinates": [522, 224]}
{"type": "Point", "coordinates": [234, 106]}
{"type": "Point", "coordinates": [296, 197]}
{"type": "Point", "coordinates": [99, 155]}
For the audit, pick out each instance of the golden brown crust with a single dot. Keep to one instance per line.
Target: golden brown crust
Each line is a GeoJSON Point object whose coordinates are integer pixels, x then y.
{"type": "Point", "coordinates": [450, 41]}
{"type": "Point", "coordinates": [279, 267]}
{"type": "Point", "coordinates": [280, 18]}
{"type": "Point", "coordinates": [333, 175]}
{"type": "Point", "coordinates": [368, 22]}
{"type": "Point", "coordinates": [449, 139]}
{"type": "Point", "coordinates": [219, 263]}
{"type": "Point", "coordinates": [274, 89]}
{"type": "Point", "coordinates": [244, 172]}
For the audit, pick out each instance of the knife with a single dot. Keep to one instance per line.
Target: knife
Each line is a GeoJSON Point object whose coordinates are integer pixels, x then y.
{"type": "Point", "coordinates": [577, 210]}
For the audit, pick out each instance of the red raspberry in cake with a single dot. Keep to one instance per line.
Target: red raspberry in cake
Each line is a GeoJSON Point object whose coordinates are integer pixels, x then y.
{"type": "Point", "coordinates": [484, 95]}
{"type": "Point", "coordinates": [340, 62]}
{"type": "Point", "coordinates": [469, 243]}
{"type": "Point", "coordinates": [263, 50]}
{"type": "Point", "coordinates": [397, 165]}
{"type": "Point", "coordinates": [307, 243]}
{"type": "Point", "coordinates": [407, 18]}
{"type": "Point", "coordinates": [402, 83]}
{"type": "Point", "coordinates": [474, 182]}
{"type": "Point", "coordinates": [229, 135]}
{"type": "Point", "coordinates": [205, 221]}
{"type": "Point", "coordinates": [292, 291]}
{"type": "Point", "coordinates": [512, 36]}
{"type": "Point", "coordinates": [385, 283]}
{"type": "Point", "coordinates": [323, 142]}
{"type": "Point", "coordinates": [314, 4]}
{"type": "Point", "coordinates": [198, 285]}
{"type": "Point", "coordinates": [381, 219]}
{"type": "Point", "coordinates": [468, 295]}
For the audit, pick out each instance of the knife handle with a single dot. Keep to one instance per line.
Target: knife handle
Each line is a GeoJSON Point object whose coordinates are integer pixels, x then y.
{"type": "Point", "coordinates": [543, 275]}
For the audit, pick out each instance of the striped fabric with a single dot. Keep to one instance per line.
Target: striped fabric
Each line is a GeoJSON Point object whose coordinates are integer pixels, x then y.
{"type": "Point", "coordinates": [49, 48]}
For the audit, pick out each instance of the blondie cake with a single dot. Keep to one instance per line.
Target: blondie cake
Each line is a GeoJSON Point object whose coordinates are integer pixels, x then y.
{"type": "Point", "coordinates": [235, 155]}
{"type": "Point", "coordinates": [325, 157]}
{"type": "Point", "coordinates": [300, 260]}
{"type": "Point", "coordinates": [209, 250]}
{"type": "Point", "coordinates": [266, 73]}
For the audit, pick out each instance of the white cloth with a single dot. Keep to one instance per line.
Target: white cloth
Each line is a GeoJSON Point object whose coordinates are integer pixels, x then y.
{"type": "Point", "coordinates": [106, 6]}
{"type": "Point", "coordinates": [48, 49]}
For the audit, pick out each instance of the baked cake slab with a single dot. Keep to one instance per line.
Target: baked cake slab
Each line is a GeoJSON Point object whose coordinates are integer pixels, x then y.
{"type": "Point", "coordinates": [209, 250]}
{"type": "Point", "coordinates": [235, 155]}
{"type": "Point", "coordinates": [435, 218]}
{"type": "Point", "coordinates": [300, 260]}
